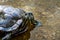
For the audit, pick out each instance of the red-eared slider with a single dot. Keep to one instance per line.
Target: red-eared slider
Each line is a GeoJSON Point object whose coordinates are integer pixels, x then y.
{"type": "Point", "coordinates": [14, 21]}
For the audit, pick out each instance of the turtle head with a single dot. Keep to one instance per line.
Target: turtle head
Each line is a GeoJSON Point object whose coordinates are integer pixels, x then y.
{"type": "Point", "coordinates": [29, 16]}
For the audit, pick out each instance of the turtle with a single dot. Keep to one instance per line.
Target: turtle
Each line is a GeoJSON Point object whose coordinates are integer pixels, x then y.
{"type": "Point", "coordinates": [14, 21]}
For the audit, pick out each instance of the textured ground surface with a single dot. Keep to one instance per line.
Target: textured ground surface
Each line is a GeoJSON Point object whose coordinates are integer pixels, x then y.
{"type": "Point", "coordinates": [46, 11]}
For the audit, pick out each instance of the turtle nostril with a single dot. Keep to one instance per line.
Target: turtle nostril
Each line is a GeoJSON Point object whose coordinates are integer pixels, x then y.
{"type": "Point", "coordinates": [30, 13]}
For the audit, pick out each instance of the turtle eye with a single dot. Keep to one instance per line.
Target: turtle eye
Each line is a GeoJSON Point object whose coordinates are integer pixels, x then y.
{"type": "Point", "coordinates": [26, 14]}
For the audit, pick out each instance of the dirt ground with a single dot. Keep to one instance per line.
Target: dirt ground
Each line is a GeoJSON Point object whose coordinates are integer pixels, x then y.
{"type": "Point", "coordinates": [45, 11]}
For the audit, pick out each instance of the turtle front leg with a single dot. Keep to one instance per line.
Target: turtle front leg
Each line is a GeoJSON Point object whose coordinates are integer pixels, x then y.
{"type": "Point", "coordinates": [7, 37]}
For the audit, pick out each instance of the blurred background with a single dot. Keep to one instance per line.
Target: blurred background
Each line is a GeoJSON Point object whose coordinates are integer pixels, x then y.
{"type": "Point", "coordinates": [45, 11]}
